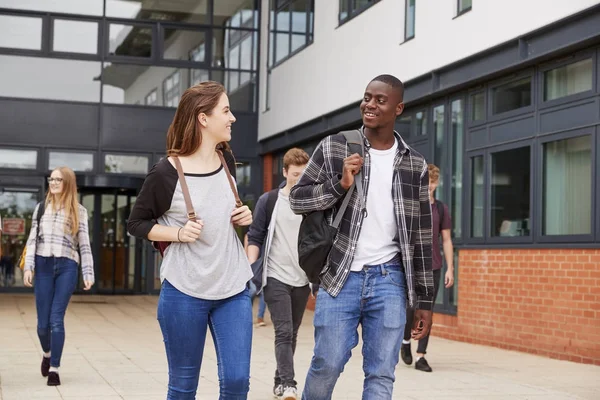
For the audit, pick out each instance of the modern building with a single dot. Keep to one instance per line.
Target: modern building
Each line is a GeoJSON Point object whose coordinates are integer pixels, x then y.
{"type": "Point", "coordinates": [504, 97]}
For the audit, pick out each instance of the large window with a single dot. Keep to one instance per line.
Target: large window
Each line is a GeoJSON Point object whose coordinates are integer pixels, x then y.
{"type": "Point", "coordinates": [511, 96]}
{"type": "Point", "coordinates": [18, 159]}
{"type": "Point", "coordinates": [291, 25]}
{"type": "Point", "coordinates": [76, 161]}
{"type": "Point", "coordinates": [172, 90]}
{"type": "Point", "coordinates": [20, 32]}
{"type": "Point", "coordinates": [568, 80]}
{"type": "Point", "coordinates": [168, 11]}
{"type": "Point", "coordinates": [458, 129]}
{"type": "Point", "coordinates": [125, 164]}
{"type": "Point", "coordinates": [510, 192]}
{"type": "Point", "coordinates": [409, 20]}
{"type": "Point", "coordinates": [477, 196]}
{"type": "Point", "coordinates": [87, 7]}
{"type": "Point", "coordinates": [478, 106]}
{"type": "Point", "coordinates": [440, 148]}
{"type": "Point", "coordinates": [64, 41]}
{"type": "Point", "coordinates": [351, 8]}
{"type": "Point", "coordinates": [567, 190]}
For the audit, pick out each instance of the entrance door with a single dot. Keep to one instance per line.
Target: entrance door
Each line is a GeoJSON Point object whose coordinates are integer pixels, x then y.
{"type": "Point", "coordinates": [16, 208]}
{"type": "Point", "coordinates": [117, 255]}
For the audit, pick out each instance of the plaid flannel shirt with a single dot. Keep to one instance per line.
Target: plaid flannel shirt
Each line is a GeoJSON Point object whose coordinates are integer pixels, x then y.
{"type": "Point", "coordinates": [319, 188]}
{"type": "Point", "coordinates": [55, 240]}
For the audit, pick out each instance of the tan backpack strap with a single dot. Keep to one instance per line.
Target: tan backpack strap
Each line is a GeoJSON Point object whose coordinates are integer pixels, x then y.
{"type": "Point", "coordinates": [191, 214]}
{"type": "Point", "coordinates": [238, 202]}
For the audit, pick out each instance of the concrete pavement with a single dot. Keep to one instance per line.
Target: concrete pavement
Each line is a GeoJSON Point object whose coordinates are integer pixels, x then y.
{"type": "Point", "coordinates": [114, 350]}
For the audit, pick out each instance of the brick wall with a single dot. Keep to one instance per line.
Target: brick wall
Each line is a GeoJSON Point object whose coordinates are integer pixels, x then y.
{"type": "Point", "coordinates": [267, 172]}
{"type": "Point", "coordinates": [544, 302]}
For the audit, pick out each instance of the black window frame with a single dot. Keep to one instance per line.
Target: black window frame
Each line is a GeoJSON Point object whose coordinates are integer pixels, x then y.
{"type": "Point", "coordinates": [179, 84]}
{"type": "Point", "coordinates": [352, 12]}
{"type": "Point", "coordinates": [276, 6]}
{"type": "Point", "coordinates": [470, 121]}
{"type": "Point", "coordinates": [72, 54]}
{"type": "Point", "coordinates": [542, 104]}
{"type": "Point", "coordinates": [154, 51]}
{"type": "Point", "coordinates": [468, 177]}
{"type": "Point", "coordinates": [149, 157]}
{"type": "Point", "coordinates": [539, 212]}
{"type": "Point", "coordinates": [94, 153]}
{"type": "Point", "coordinates": [491, 116]}
{"type": "Point", "coordinates": [414, 16]}
{"type": "Point", "coordinates": [38, 159]}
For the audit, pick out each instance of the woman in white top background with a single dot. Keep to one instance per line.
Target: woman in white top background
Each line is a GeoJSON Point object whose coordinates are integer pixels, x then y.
{"type": "Point", "coordinates": [54, 250]}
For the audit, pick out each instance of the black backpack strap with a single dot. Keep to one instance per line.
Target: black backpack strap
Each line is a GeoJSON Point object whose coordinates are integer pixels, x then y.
{"type": "Point", "coordinates": [271, 200]}
{"type": "Point", "coordinates": [440, 209]}
{"type": "Point", "coordinates": [38, 217]}
{"type": "Point", "coordinates": [356, 142]}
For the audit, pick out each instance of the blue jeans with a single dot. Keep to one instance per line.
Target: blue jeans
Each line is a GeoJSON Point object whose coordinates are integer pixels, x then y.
{"type": "Point", "coordinates": [262, 306]}
{"type": "Point", "coordinates": [184, 320]}
{"type": "Point", "coordinates": [55, 282]}
{"type": "Point", "coordinates": [375, 298]}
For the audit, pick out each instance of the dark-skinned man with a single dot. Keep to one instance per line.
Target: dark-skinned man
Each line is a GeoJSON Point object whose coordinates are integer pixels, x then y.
{"type": "Point", "coordinates": [381, 257]}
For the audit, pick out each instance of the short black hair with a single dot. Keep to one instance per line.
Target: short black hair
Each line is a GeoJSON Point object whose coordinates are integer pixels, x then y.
{"type": "Point", "coordinates": [394, 82]}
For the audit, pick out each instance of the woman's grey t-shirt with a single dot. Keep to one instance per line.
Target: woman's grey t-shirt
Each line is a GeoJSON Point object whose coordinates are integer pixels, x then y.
{"type": "Point", "coordinates": [215, 266]}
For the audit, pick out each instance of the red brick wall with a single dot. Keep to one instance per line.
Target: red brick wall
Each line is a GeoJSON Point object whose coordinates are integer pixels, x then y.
{"type": "Point", "coordinates": [544, 302]}
{"type": "Point", "coordinates": [267, 172]}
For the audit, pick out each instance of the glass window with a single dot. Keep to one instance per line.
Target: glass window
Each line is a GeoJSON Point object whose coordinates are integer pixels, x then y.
{"type": "Point", "coordinates": [350, 8]}
{"type": "Point", "coordinates": [151, 98]}
{"type": "Point", "coordinates": [241, 97]}
{"type": "Point", "coordinates": [172, 90]}
{"type": "Point", "coordinates": [236, 13]}
{"type": "Point", "coordinates": [167, 11]}
{"type": "Point", "coordinates": [458, 130]}
{"type": "Point", "coordinates": [512, 96]}
{"type": "Point", "coordinates": [85, 40]}
{"type": "Point", "coordinates": [403, 125]}
{"type": "Point", "coordinates": [243, 174]}
{"type": "Point", "coordinates": [568, 79]}
{"type": "Point", "coordinates": [76, 161]}
{"type": "Point", "coordinates": [85, 7]}
{"type": "Point", "coordinates": [18, 159]}
{"type": "Point", "coordinates": [292, 26]}
{"type": "Point", "coordinates": [567, 192]}
{"type": "Point", "coordinates": [130, 40]}
{"type": "Point", "coordinates": [477, 196]}
{"type": "Point", "coordinates": [197, 76]}
{"type": "Point", "coordinates": [510, 206]}
{"type": "Point", "coordinates": [440, 148]}
{"type": "Point", "coordinates": [409, 26]}
{"type": "Point", "coordinates": [177, 42]}
{"type": "Point", "coordinates": [464, 5]}
{"type": "Point", "coordinates": [72, 80]}
{"type": "Point", "coordinates": [122, 164]}
{"type": "Point", "coordinates": [478, 106]}
{"type": "Point", "coordinates": [421, 123]}
{"type": "Point", "coordinates": [20, 32]}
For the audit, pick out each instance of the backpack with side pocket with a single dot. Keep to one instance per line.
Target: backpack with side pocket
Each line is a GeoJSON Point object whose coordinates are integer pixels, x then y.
{"type": "Point", "coordinates": [316, 235]}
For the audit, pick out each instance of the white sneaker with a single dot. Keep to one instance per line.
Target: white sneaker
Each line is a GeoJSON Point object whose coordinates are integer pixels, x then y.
{"type": "Point", "coordinates": [278, 392]}
{"type": "Point", "coordinates": [290, 393]}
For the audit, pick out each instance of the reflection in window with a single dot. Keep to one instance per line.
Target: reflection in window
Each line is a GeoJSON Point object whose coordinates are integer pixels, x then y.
{"type": "Point", "coordinates": [464, 5]}
{"type": "Point", "coordinates": [510, 184]}
{"type": "Point", "coordinates": [477, 196]}
{"type": "Point", "coordinates": [198, 54]}
{"type": "Point", "coordinates": [18, 159]}
{"type": "Point", "coordinates": [236, 14]}
{"type": "Point", "coordinates": [167, 11]}
{"type": "Point", "coordinates": [440, 149]}
{"type": "Point", "coordinates": [291, 27]}
{"type": "Point", "coordinates": [122, 164]}
{"type": "Point", "coordinates": [171, 90]}
{"type": "Point", "coordinates": [350, 8]}
{"type": "Point", "coordinates": [568, 79]}
{"type": "Point", "coordinates": [151, 98]}
{"type": "Point", "coordinates": [85, 39]}
{"type": "Point", "coordinates": [20, 32]}
{"type": "Point", "coordinates": [512, 96]}
{"type": "Point", "coordinates": [478, 106]}
{"type": "Point", "coordinates": [243, 174]}
{"type": "Point", "coordinates": [130, 40]}
{"type": "Point", "coordinates": [240, 98]}
{"type": "Point", "coordinates": [409, 27]}
{"type": "Point", "coordinates": [174, 40]}
{"type": "Point", "coordinates": [421, 123]}
{"type": "Point", "coordinates": [458, 129]}
{"type": "Point", "coordinates": [403, 125]}
{"type": "Point", "coordinates": [87, 7]}
{"type": "Point", "coordinates": [567, 192]}
{"type": "Point", "coordinates": [76, 161]}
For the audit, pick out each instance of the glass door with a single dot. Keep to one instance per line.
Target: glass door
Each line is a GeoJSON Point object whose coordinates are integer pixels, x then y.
{"type": "Point", "coordinates": [16, 210]}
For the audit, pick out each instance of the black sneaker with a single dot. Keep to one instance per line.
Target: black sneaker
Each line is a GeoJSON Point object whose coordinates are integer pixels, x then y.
{"type": "Point", "coordinates": [45, 366]}
{"type": "Point", "coordinates": [406, 354]}
{"type": "Point", "coordinates": [422, 365]}
{"type": "Point", "coordinates": [53, 379]}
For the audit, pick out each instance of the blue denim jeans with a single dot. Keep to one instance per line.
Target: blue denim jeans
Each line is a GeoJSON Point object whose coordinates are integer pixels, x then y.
{"type": "Point", "coordinates": [55, 282]}
{"type": "Point", "coordinates": [375, 298]}
{"type": "Point", "coordinates": [184, 321]}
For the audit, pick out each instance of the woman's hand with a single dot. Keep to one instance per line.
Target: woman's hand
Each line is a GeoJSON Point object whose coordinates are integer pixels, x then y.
{"type": "Point", "coordinates": [28, 278]}
{"type": "Point", "coordinates": [241, 216]}
{"type": "Point", "coordinates": [87, 285]}
{"type": "Point", "coordinates": [190, 232]}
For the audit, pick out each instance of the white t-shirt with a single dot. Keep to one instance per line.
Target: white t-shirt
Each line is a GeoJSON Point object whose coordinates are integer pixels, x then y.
{"type": "Point", "coordinates": [378, 239]}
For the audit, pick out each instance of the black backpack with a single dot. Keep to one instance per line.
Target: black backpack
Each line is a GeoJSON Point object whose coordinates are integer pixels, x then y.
{"type": "Point", "coordinates": [316, 235]}
{"type": "Point", "coordinates": [257, 266]}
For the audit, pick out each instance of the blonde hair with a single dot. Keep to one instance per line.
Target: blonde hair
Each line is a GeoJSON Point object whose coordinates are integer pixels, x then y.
{"type": "Point", "coordinates": [67, 199]}
{"type": "Point", "coordinates": [434, 172]}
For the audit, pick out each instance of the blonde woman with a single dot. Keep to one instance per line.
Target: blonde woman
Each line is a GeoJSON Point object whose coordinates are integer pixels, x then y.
{"type": "Point", "coordinates": [54, 250]}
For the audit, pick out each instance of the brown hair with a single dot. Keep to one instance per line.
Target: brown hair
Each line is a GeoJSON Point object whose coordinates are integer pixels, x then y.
{"type": "Point", "coordinates": [296, 157]}
{"type": "Point", "coordinates": [67, 199]}
{"type": "Point", "coordinates": [184, 136]}
{"type": "Point", "coordinates": [434, 172]}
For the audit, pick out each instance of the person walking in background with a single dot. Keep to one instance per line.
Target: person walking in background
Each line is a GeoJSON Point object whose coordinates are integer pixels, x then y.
{"type": "Point", "coordinates": [205, 271]}
{"type": "Point", "coordinates": [284, 283]}
{"type": "Point", "coordinates": [54, 250]}
{"type": "Point", "coordinates": [442, 225]}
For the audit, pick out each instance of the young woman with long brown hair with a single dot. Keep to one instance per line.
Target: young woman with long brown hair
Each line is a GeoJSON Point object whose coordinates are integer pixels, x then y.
{"type": "Point", "coordinates": [204, 271]}
{"type": "Point", "coordinates": [54, 250]}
